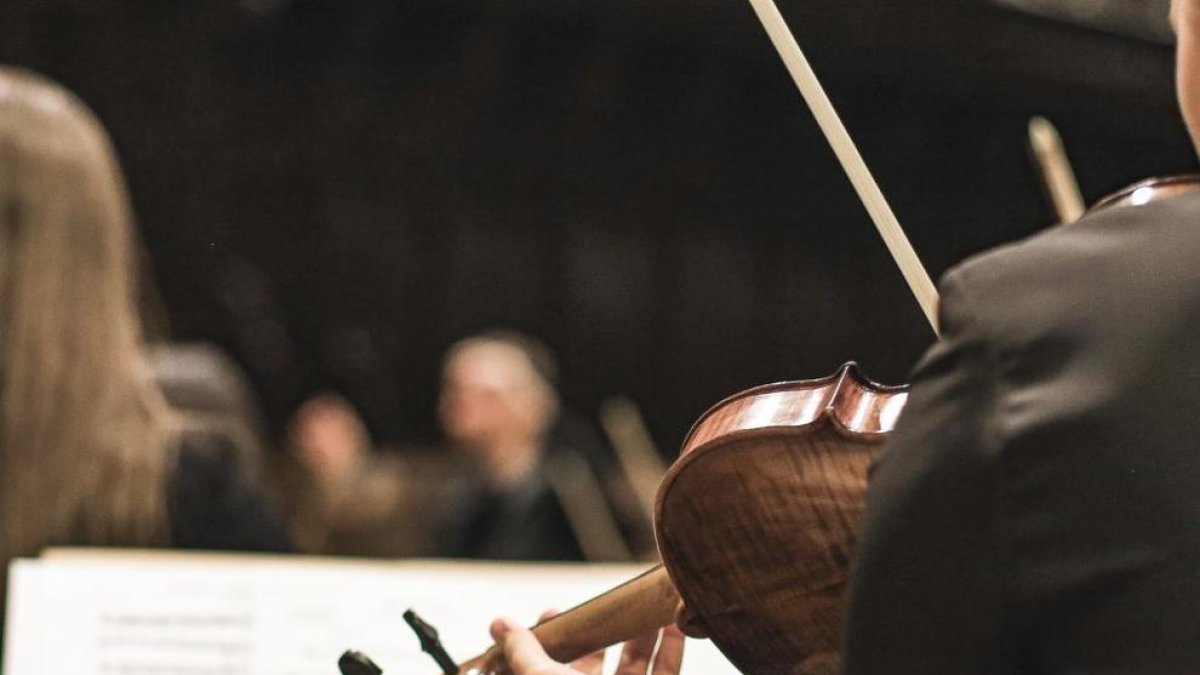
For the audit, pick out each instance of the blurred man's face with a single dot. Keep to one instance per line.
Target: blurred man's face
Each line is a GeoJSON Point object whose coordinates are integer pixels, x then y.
{"type": "Point", "coordinates": [1185, 16]}
{"type": "Point", "coordinates": [489, 394]}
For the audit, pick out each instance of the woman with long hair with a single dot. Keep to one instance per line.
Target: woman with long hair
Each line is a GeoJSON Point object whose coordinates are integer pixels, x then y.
{"type": "Point", "coordinates": [90, 453]}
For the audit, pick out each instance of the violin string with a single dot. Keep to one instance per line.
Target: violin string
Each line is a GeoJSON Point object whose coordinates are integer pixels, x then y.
{"type": "Point", "coordinates": [851, 160]}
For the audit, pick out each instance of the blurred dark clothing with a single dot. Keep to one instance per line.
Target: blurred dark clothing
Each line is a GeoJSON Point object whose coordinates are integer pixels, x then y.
{"type": "Point", "coordinates": [531, 520]}
{"type": "Point", "coordinates": [213, 502]}
{"type": "Point", "coordinates": [1038, 508]}
{"type": "Point", "coordinates": [579, 456]}
{"type": "Point", "coordinates": [406, 502]}
{"type": "Point", "coordinates": [526, 521]}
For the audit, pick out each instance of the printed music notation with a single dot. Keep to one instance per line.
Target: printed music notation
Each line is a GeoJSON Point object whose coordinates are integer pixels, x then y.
{"type": "Point", "coordinates": [176, 614]}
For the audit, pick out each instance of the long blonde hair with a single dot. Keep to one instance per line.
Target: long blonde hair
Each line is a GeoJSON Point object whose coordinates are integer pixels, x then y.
{"type": "Point", "coordinates": [83, 432]}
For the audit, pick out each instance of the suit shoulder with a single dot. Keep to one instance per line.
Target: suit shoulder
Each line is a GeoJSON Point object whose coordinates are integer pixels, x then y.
{"type": "Point", "coordinates": [1094, 241]}
{"type": "Point", "coordinates": [975, 286]}
{"type": "Point", "coordinates": [1087, 273]}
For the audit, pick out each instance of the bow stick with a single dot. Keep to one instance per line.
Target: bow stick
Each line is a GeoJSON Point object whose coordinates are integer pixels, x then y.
{"type": "Point", "coordinates": [1055, 170]}
{"type": "Point", "coordinates": [850, 158]}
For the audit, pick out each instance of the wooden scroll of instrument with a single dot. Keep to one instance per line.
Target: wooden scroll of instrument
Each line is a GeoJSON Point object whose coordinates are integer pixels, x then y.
{"type": "Point", "coordinates": [1058, 178]}
{"type": "Point", "coordinates": [756, 521]}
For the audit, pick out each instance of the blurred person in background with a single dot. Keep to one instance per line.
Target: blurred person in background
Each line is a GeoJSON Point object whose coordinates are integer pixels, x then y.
{"type": "Point", "coordinates": [90, 453]}
{"type": "Point", "coordinates": [523, 480]}
{"type": "Point", "coordinates": [347, 498]}
{"type": "Point", "coordinates": [200, 381]}
{"type": "Point", "coordinates": [328, 448]}
{"type": "Point", "coordinates": [527, 490]}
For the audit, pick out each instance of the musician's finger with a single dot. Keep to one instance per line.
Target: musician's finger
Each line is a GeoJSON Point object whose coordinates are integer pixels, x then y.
{"type": "Point", "coordinates": [636, 654]}
{"type": "Point", "coordinates": [670, 652]}
{"type": "Point", "coordinates": [547, 615]}
{"type": "Point", "coordinates": [521, 649]}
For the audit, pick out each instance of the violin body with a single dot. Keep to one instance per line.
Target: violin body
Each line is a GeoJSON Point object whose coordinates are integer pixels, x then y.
{"type": "Point", "coordinates": [758, 517]}
{"type": "Point", "coordinates": [756, 524]}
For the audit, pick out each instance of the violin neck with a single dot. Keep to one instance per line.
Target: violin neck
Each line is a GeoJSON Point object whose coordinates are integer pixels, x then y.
{"type": "Point", "coordinates": [645, 603]}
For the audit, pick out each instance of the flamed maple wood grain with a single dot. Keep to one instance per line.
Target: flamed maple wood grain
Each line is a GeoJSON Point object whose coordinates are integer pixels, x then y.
{"type": "Point", "coordinates": [756, 525]}
{"type": "Point", "coordinates": [758, 518]}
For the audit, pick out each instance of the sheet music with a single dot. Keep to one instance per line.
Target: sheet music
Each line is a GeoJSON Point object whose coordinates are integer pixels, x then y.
{"type": "Point", "coordinates": [152, 615]}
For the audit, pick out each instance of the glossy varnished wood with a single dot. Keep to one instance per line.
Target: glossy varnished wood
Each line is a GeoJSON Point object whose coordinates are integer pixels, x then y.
{"type": "Point", "coordinates": [647, 602]}
{"type": "Point", "coordinates": [857, 406]}
{"type": "Point", "coordinates": [757, 520]}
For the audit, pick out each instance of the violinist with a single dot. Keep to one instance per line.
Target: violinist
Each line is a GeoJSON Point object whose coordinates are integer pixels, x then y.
{"type": "Point", "coordinates": [1037, 509]}
{"type": "Point", "coordinates": [498, 404]}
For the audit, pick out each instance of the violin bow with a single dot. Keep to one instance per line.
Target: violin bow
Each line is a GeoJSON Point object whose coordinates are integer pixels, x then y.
{"type": "Point", "coordinates": [1055, 169]}
{"type": "Point", "coordinates": [850, 158]}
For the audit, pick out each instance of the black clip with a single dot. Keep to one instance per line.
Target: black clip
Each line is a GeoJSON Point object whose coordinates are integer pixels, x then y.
{"type": "Point", "coordinates": [357, 663]}
{"type": "Point", "coordinates": [430, 644]}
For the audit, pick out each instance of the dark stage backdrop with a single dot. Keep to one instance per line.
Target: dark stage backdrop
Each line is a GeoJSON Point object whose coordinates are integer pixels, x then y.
{"type": "Point", "coordinates": [335, 190]}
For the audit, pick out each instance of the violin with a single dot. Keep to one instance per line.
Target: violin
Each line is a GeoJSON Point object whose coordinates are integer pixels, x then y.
{"type": "Point", "coordinates": [756, 522]}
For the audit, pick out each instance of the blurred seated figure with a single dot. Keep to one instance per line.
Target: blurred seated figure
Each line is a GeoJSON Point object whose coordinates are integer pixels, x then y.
{"type": "Point", "coordinates": [201, 382]}
{"type": "Point", "coordinates": [347, 499]}
{"type": "Point", "coordinates": [524, 480]}
{"type": "Point", "coordinates": [90, 453]}
{"type": "Point", "coordinates": [327, 435]}
{"type": "Point", "coordinates": [528, 491]}
{"type": "Point", "coordinates": [327, 451]}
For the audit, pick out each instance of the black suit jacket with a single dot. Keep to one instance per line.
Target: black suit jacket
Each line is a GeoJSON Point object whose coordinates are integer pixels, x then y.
{"type": "Point", "coordinates": [1037, 509]}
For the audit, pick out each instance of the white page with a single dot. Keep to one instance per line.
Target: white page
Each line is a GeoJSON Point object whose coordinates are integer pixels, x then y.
{"type": "Point", "coordinates": [198, 615]}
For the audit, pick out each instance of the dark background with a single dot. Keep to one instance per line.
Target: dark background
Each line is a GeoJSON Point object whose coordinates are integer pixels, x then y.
{"type": "Point", "coordinates": [335, 190]}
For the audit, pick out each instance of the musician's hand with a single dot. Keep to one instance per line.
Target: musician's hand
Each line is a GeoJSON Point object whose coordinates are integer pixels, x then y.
{"type": "Point", "coordinates": [525, 655]}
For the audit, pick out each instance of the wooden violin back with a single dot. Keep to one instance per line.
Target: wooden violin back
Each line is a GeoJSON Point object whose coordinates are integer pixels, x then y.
{"type": "Point", "coordinates": [757, 519]}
